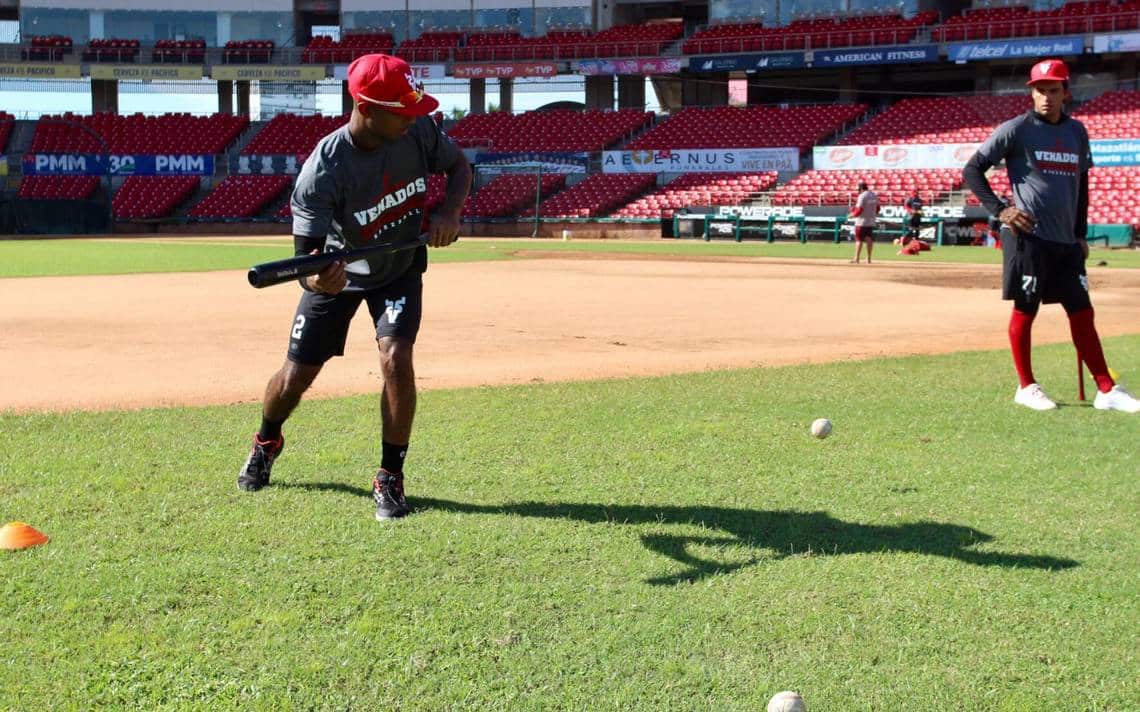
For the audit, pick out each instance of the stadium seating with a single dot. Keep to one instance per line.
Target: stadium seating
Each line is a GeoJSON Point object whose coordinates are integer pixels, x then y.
{"type": "Point", "coordinates": [248, 52]}
{"type": "Point", "coordinates": [598, 195]}
{"type": "Point", "coordinates": [1081, 17]}
{"type": "Point", "coordinates": [435, 46]}
{"type": "Point", "coordinates": [58, 187]}
{"type": "Point", "coordinates": [699, 189]}
{"type": "Point", "coordinates": [119, 51]}
{"type": "Point", "coordinates": [1113, 114]}
{"type": "Point", "coordinates": [239, 197]}
{"type": "Point", "coordinates": [51, 48]}
{"type": "Point", "coordinates": [749, 127]}
{"type": "Point", "coordinates": [1114, 193]}
{"type": "Point", "coordinates": [292, 135]}
{"type": "Point", "coordinates": [940, 120]}
{"type": "Point", "coordinates": [509, 194]}
{"type": "Point", "coordinates": [561, 130]}
{"type": "Point", "coordinates": [138, 134]}
{"type": "Point", "coordinates": [149, 197]}
{"type": "Point", "coordinates": [326, 50]}
{"type": "Point", "coordinates": [853, 31]}
{"type": "Point", "coordinates": [892, 186]}
{"type": "Point", "coordinates": [7, 121]}
{"type": "Point", "coordinates": [179, 52]}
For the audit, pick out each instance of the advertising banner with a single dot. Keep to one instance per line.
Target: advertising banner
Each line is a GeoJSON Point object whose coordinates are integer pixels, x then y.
{"type": "Point", "coordinates": [9, 70]}
{"type": "Point", "coordinates": [3, 165]}
{"type": "Point", "coordinates": [1122, 152]}
{"type": "Point", "coordinates": [553, 162]}
{"type": "Point", "coordinates": [712, 160]}
{"type": "Point", "coordinates": [1127, 42]}
{"type": "Point", "coordinates": [962, 52]}
{"type": "Point", "coordinates": [148, 72]}
{"type": "Point", "coordinates": [265, 165]}
{"type": "Point", "coordinates": [267, 73]}
{"type": "Point", "coordinates": [94, 164]}
{"type": "Point", "coordinates": [512, 69]}
{"type": "Point", "coordinates": [899, 54]}
{"type": "Point", "coordinates": [748, 62]}
{"type": "Point", "coordinates": [594, 67]}
{"type": "Point", "coordinates": [892, 156]}
{"type": "Point", "coordinates": [423, 72]}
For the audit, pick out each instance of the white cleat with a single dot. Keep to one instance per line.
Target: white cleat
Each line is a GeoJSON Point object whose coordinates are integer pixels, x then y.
{"type": "Point", "coordinates": [1117, 399]}
{"type": "Point", "coordinates": [1033, 396]}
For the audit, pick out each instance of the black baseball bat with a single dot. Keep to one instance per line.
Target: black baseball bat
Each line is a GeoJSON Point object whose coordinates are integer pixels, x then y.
{"type": "Point", "coordinates": [271, 273]}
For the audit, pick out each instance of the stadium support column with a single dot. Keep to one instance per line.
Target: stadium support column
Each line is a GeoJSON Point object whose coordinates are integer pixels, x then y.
{"type": "Point", "coordinates": [631, 92]}
{"type": "Point", "coordinates": [600, 92]}
{"type": "Point", "coordinates": [346, 103]}
{"type": "Point", "coordinates": [225, 96]}
{"type": "Point", "coordinates": [479, 96]}
{"type": "Point", "coordinates": [847, 84]}
{"type": "Point", "coordinates": [243, 97]}
{"type": "Point", "coordinates": [507, 95]}
{"type": "Point", "coordinates": [705, 90]}
{"type": "Point", "coordinates": [105, 95]}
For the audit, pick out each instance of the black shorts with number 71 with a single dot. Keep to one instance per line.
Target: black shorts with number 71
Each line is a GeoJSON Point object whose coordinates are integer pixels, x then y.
{"type": "Point", "coordinates": [1036, 271]}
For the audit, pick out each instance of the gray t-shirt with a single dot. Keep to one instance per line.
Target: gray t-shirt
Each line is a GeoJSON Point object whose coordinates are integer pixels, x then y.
{"type": "Point", "coordinates": [1046, 163]}
{"type": "Point", "coordinates": [354, 198]}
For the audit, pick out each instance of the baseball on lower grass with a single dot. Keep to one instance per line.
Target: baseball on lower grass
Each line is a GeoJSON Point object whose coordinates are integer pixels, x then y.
{"type": "Point", "coordinates": [821, 428]}
{"type": "Point", "coordinates": [786, 701]}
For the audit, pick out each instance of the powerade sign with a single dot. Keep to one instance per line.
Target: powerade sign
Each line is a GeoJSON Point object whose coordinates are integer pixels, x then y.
{"type": "Point", "coordinates": [1123, 152]}
{"type": "Point", "coordinates": [962, 52]}
{"type": "Point", "coordinates": [899, 54]}
{"type": "Point", "coordinates": [92, 164]}
{"type": "Point", "coordinates": [748, 62]}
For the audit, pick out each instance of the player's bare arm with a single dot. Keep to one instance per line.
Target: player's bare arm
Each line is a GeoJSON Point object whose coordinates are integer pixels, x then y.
{"type": "Point", "coordinates": [445, 223]}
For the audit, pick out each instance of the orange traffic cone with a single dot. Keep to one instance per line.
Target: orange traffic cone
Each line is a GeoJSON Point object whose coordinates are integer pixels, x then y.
{"type": "Point", "coordinates": [17, 535]}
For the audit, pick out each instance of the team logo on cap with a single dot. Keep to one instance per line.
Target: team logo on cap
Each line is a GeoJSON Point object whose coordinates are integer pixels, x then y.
{"type": "Point", "coordinates": [417, 89]}
{"type": "Point", "coordinates": [1045, 67]}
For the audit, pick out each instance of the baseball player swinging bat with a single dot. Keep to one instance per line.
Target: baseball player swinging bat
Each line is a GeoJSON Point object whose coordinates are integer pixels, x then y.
{"type": "Point", "coordinates": [281, 271]}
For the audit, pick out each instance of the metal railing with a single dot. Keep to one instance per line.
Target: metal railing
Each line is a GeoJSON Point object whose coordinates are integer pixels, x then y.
{"type": "Point", "coordinates": [1035, 27]}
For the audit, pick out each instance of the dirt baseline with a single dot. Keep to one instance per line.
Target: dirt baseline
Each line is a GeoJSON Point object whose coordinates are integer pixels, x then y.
{"type": "Point", "coordinates": [103, 343]}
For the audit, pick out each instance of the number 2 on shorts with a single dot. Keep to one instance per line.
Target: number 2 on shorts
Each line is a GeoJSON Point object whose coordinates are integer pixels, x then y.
{"type": "Point", "coordinates": [298, 326]}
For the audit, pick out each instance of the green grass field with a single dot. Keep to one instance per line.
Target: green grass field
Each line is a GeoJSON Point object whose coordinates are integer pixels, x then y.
{"type": "Point", "coordinates": [670, 543]}
{"type": "Point", "coordinates": [38, 258]}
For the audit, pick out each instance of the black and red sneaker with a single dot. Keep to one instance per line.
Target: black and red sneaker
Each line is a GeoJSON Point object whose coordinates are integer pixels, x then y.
{"type": "Point", "coordinates": [255, 473]}
{"type": "Point", "coordinates": [388, 491]}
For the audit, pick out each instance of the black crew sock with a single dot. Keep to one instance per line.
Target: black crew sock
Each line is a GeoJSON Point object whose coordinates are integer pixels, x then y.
{"type": "Point", "coordinates": [392, 457]}
{"type": "Point", "coordinates": [270, 429]}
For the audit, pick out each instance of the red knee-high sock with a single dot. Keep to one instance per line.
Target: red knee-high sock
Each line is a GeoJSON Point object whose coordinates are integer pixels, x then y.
{"type": "Point", "coordinates": [1020, 332]}
{"type": "Point", "coordinates": [1088, 346]}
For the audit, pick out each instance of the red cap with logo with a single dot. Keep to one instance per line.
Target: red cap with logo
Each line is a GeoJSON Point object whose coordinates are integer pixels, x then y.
{"type": "Point", "coordinates": [1049, 70]}
{"type": "Point", "coordinates": [388, 82]}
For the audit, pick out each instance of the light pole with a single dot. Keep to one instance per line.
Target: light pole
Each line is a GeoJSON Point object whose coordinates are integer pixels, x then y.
{"type": "Point", "coordinates": [106, 152]}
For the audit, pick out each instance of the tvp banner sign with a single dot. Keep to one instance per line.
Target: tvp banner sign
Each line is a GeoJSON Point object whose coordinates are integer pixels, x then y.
{"type": "Point", "coordinates": [88, 164]}
{"type": "Point", "coordinates": [504, 70]}
{"type": "Point", "coordinates": [887, 157]}
{"type": "Point", "coordinates": [963, 52]}
{"type": "Point", "coordinates": [712, 160]}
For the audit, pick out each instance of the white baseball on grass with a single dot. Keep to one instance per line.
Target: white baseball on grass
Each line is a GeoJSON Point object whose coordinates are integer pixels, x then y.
{"type": "Point", "coordinates": [821, 428]}
{"type": "Point", "coordinates": [786, 701]}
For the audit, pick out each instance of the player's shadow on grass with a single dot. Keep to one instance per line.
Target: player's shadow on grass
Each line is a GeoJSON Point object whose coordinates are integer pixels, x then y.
{"type": "Point", "coordinates": [781, 533]}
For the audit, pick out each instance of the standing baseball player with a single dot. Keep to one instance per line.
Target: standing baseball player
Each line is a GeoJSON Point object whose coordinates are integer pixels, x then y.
{"type": "Point", "coordinates": [1048, 157]}
{"type": "Point", "coordinates": [913, 207]}
{"type": "Point", "coordinates": [865, 211]}
{"type": "Point", "coordinates": [366, 183]}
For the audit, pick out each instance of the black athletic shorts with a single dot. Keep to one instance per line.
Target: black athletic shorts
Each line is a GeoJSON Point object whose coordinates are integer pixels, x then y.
{"type": "Point", "coordinates": [864, 233]}
{"type": "Point", "coordinates": [1036, 271]}
{"type": "Point", "coordinates": [320, 326]}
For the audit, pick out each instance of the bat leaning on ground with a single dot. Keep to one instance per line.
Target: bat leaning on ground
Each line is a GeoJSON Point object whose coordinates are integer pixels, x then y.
{"type": "Point", "coordinates": [281, 271]}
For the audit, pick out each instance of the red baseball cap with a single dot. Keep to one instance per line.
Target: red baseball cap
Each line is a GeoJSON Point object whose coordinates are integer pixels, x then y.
{"type": "Point", "coordinates": [388, 82]}
{"type": "Point", "coordinates": [1048, 70]}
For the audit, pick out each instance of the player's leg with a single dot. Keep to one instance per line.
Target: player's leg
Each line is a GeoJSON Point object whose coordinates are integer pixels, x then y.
{"type": "Point", "coordinates": [870, 236]}
{"type": "Point", "coordinates": [858, 244]}
{"type": "Point", "coordinates": [318, 332]}
{"type": "Point", "coordinates": [397, 310]}
{"type": "Point", "coordinates": [1020, 285]}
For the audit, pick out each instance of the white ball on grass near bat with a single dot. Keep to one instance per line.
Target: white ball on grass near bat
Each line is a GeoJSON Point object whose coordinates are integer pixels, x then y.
{"type": "Point", "coordinates": [821, 428]}
{"type": "Point", "coordinates": [786, 701]}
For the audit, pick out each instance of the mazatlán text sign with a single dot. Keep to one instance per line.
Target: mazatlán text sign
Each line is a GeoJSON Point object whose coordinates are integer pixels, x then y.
{"type": "Point", "coordinates": [595, 67]}
{"type": "Point", "coordinates": [714, 160]}
{"type": "Point", "coordinates": [901, 54]}
{"type": "Point", "coordinates": [747, 62]}
{"type": "Point", "coordinates": [267, 73]}
{"type": "Point", "coordinates": [39, 71]}
{"type": "Point", "coordinates": [147, 72]}
{"type": "Point", "coordinates": [892, 156]}
{"type": "Point", "coordinates": [1005, 49]}
{"type": "Point", "coordinates": [1121, 152]}
{"type": "Point", "coordinates": [94, 164]}
{"type": "Point", "coordinates": [513, 69]}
